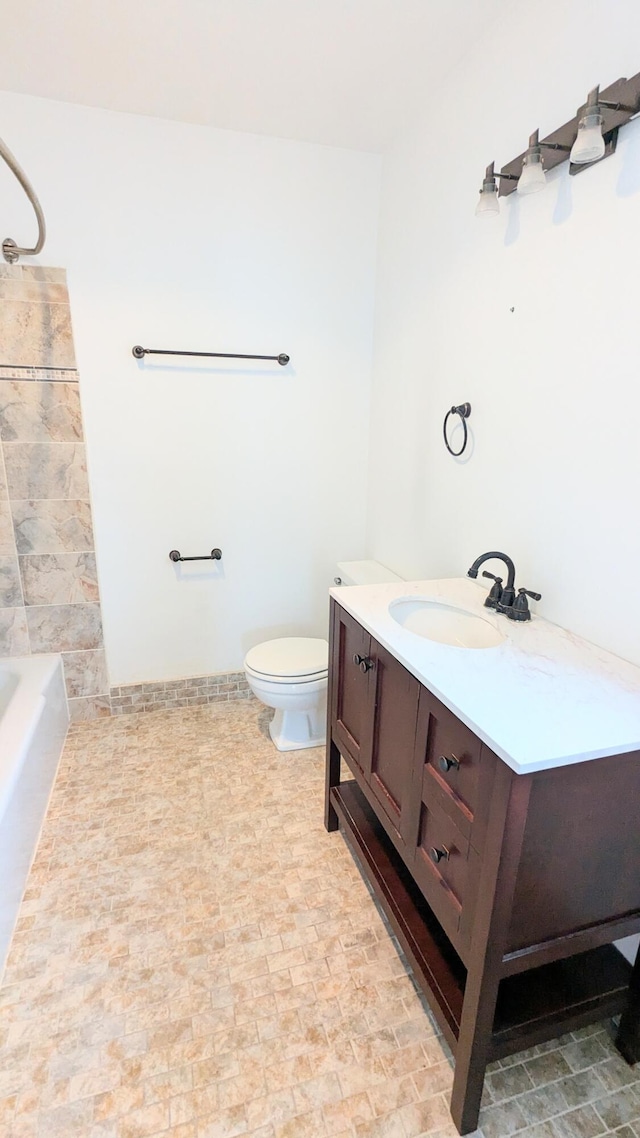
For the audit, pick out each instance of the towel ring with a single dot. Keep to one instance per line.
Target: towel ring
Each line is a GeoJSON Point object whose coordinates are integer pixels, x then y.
{"type": "Point", "coordinates": [464, 410]}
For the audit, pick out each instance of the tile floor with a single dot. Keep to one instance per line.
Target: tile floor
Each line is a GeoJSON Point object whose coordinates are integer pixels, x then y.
{"type": "Point", "coordinates": [197, 957]}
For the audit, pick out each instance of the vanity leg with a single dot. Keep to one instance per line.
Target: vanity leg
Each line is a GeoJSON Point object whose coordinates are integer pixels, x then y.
{"type": "Point", "coordinates": [503, 842]}
{"type": "Point", "coordinates": [473, 1055]}
{"type": "Point", "coordinates": [628, 1037]}
{"type": "Point", "coordinates": [332, 778]}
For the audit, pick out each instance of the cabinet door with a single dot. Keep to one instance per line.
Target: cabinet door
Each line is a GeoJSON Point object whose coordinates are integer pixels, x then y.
{"type": "Point", "coordinates": [391, 756]}
{"type": "Point", "coordinates": [351, 702]}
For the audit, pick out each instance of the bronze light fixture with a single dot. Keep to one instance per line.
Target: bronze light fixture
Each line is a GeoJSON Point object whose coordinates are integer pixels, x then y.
{"type": "Point", "coordinates": [533, 177]}
{"type": "Point", "coordinates": [586, 139]}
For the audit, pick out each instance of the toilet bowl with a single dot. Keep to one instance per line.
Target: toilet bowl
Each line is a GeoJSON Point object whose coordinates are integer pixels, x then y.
{"type": "Point", "coordinates": [290, 675]}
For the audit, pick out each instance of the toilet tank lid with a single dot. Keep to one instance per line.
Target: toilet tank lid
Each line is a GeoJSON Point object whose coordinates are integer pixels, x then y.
{"type": "Point", "coordinates": [289, 656]}
{"type": "Point", "coordinates": [365, 573]}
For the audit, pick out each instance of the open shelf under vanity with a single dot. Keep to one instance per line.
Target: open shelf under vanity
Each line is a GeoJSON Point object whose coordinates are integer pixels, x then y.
{"type": "Point", "coordinates": [532, 1006]}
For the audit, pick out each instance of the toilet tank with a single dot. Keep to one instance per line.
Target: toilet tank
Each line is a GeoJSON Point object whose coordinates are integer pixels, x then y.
{"type": "Point", "coordinates": [363, 573]}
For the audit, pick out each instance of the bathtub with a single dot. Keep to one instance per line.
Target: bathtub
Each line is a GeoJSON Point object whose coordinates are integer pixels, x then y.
{"type": "Point", "coordinates": [33, 725]}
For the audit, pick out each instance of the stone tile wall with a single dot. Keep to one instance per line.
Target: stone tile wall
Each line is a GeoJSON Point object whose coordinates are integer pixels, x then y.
{"type": "Point", "coordinates": [49, 598]}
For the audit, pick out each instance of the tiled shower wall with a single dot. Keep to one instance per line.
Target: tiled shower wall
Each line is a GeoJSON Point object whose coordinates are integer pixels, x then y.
{"type": "Point", "coordinates": [49, 600]}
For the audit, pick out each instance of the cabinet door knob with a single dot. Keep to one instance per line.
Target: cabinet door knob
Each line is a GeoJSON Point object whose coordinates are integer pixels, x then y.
{"type": "Point", "coordinates": [448, 762]}
{"type": "Point", "coordinates": [364, 663]}
{"type": "Point", "coordinates": [438, 855]}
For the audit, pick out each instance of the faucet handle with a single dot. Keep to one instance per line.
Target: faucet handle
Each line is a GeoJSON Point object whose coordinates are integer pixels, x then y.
{"type": "Point", "coordinates": [495, 592]}
{"type": "Point", "coordinates": [519, 610]}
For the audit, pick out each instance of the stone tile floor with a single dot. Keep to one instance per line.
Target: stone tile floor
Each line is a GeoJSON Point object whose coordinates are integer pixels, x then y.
{"type": "Point", "coordinates": [197, 957]}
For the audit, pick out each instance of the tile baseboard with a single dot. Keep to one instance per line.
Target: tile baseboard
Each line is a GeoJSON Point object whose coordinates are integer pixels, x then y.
{"type": "Point", "coordinates": [194, 691]}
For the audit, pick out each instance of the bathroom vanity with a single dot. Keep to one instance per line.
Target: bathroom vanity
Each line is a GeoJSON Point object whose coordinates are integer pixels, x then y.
{"type": "Point", "coordinates": [492, 801]}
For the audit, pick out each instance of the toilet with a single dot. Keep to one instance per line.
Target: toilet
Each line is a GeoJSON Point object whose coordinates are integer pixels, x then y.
{"type": "Point", "coordinates": [290, 673]}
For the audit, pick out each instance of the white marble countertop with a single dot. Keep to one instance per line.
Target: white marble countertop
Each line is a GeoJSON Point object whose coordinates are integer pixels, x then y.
{"type": "Point", "coordinates": [542, 698]}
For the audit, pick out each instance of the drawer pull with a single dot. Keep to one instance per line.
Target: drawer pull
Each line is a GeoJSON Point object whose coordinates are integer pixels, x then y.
{"type": "Point", "coordinates": [364, 663]}
{"type": "Point", "coordinates": [447, 763]}
{"type": "Point", "coordinates": [438, 855]}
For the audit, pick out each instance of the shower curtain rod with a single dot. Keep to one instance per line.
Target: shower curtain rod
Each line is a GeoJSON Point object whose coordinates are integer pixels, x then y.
{"type": "Point", "coordinates": [10, 250]}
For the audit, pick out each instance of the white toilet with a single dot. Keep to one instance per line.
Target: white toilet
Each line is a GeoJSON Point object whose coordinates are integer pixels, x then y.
{"type": "Point", "coordinates": [290, 674]}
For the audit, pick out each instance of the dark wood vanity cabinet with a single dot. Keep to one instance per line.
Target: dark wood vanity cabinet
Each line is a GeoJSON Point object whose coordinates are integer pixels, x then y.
{"type": "Point", "coordinates": [505, 890]}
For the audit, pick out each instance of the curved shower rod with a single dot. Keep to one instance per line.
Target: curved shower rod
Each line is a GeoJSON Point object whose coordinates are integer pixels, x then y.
{"type": "Point", "coordinates": [10, 251]}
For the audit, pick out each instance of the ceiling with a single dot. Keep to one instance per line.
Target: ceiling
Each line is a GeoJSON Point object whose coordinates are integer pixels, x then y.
{"type": "Point", "coordinates": [339, 72]}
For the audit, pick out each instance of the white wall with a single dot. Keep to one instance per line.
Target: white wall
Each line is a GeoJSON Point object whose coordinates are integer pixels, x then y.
{"type": "Point", "coordinates": [187, 237]}
{"type": "Point", "coordinates": [554, 473]}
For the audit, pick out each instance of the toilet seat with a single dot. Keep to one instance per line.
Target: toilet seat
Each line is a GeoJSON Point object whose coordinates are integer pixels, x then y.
{"type": "Point", "coordinates": [289, 659]}
{"type": "Point", "coordinates": [267, 678]}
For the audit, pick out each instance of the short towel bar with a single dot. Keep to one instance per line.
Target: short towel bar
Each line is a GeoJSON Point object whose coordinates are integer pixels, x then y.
{"type": "Point", "coordinates": [215, 555]}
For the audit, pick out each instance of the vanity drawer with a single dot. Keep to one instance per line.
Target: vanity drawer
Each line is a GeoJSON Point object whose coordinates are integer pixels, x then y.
{"type": "Point", "coordinates": [444, 868]}
{"type": "Point", "coordinates": [452, 759]}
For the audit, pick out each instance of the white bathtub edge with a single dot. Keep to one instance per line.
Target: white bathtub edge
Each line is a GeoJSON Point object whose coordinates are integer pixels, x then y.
{"type": "Point", "coordinates": [35, 729]}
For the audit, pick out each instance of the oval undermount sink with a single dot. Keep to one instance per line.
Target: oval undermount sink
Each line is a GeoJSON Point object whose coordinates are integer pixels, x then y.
{"type": "Point", "coordinates": [445, 624]}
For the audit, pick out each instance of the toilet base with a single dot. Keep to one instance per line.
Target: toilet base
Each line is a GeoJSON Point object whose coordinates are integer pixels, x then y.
{"type": "Point", "coordinates": [297, 730]}
{"type": "Point", "coordinates": [300, 703]}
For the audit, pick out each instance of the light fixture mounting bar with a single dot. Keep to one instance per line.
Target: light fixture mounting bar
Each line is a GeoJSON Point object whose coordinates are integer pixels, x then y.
{"type": "Point", "coordinates": [618, 103]}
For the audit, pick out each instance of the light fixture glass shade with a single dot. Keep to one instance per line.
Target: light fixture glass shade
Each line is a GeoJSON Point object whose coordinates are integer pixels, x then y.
{"type": "Point", "coordinates": [589, 145]}
{"type": "Point", "coordinates": [533, 177]}
{"type": "Point", "coordinates": [488, 204]}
